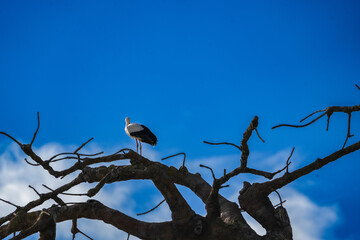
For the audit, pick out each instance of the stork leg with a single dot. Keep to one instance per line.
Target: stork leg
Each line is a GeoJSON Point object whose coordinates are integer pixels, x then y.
{"type": "Point", "coordinates": [140, 148]}
{"type": "Point", "coordinates": [137, 146]}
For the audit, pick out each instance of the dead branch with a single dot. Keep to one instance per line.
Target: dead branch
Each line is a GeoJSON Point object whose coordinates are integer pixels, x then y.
{"type": "Point", "coordinates": [92, 209]}
{"type": "Point", "coordinates": [40, 195]}
{"type": "Point", "coordinates": [43, 198]}
{"type": "Point", "coordinates": [37, 129]}
{"type": "Point", "coordinates": [311, 115]}
{"type": "Point", "coordinates": [12, 204]}
{"type": "Point", "coordinates": [287, 161]}
{"type": "Point", "coordinates": [151, 209]}
{"type": "Point", "coordinates": [32, 164]}
{"type": "Point", "coordinates": [281, 202]}
{"type": "Point", "coordinates": [223, 143]}
{"type": "Point", "coordinates": [317, 164]}
{"type": "Point", "coordinates": [246, 136]}
{"type": "Point", "coordinates": [183, 164]}
{"type": "Point", "coordinates": [257, 133]}
{"type": "Point", "coordinates": [52, 159]}
{"type": "Point", "coordinates": [92, 192]}
{"type": "Point", "coordinates": [212, 172]}
{"type": "Point", "coordinates": [45, 224]}
{"type": "Point", "coordinates": [304, 125]}
{"type": "Point", "coordinates": [328, 111]}
{"type": "Point", "coordinates": [16, 141]}
{"type": "Point", "coordinates": [82, 145]}
{"type": "Point", "coordinates": [348, 135]}
{"type": "Point", "coordinates": [75, 230]}
{"type": "Point", "coordinates": [64, 193]}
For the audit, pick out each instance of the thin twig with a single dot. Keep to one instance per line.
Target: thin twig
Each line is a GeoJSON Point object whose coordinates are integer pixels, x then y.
{"type": "Point", "coordinates": [74, 194]}
{"type": "Point", "coordinates": [311, 115]}
{"type": "Point", "coordinates": [357, 86]}
{"type": "Point", "coordinates": [37, 129]}
{"type": "Point", "coordinates": [93, 191]}
{"type": "Point", "coordinates": [68, 203]}
{"type": "Point", "coordinates": [52, 159]}
{"type": "Point", "coordinates": [128, 237]}
{"type": "Point", "coordinates": [32, 164]}
{"type": "Point", "coordinates": [59, 201]}
{"type": "Point", "coordinates": [271, 175]}
{"type": "Point", "coordinates": [85, 234]}
{"type": "Point", "coordinates": [224, 186]}
{"type": "Point", "coordinates": [121, 150]}
{"type": "Point", "coordinates": [223, 143]}
{"type": "Point", "coordinates": [4, 133]}
{"type": "Point", "coordinates": [47, 187]}
{"type": "Point", "coordinates": [151, 209]}
{"type": "Point", "coordinates": [348, 135]}
{"type": "Point", "coordinates": [9, 203]}
{"type": "Point", "coordinates": [287, 161]}
{"type": "Point", "coordinates": [279, 197]}
{"type": "Point", "coordinates": [35, 190]}
{"type": "Point", "coordinates": [299, 126]}
{"type": "Point", "coordinates": [177, 155]}
{"type": "Point", "coordinates": [74, 229]}
{"type": "Point", "coordinates": [279, 171]}
{"type": "Point", "coordinates": [69, 194]}
{"type": "Point", "coordinates": [212, 172]}
{"type": "Point", "coordinates": [259, 135]}
{"type": "Point", "coordinates": [280, 203]}
{"type": "Point", "coordinates": [82, 145]}
{"type": "Point", "coordinates": [328, 121]}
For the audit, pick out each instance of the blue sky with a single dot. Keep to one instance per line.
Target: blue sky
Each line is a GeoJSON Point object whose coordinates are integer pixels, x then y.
{"type": "Point", "coordinates": [190, 71]}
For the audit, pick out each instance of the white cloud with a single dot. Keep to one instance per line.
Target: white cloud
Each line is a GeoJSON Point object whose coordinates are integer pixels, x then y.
{"type": "Point", "coordinates": [309, 220]}
{"type": "Point", "coordinates": [16, 175]}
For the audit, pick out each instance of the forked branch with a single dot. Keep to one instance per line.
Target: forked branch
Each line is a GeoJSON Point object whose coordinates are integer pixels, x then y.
{"type": "Point", "coordinates": [317, 164]}
{"type": "Point", "coordinates": [328, 111]}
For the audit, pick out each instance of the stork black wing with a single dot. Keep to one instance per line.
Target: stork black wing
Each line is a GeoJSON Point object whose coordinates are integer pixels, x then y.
{"type": "Point", "coordinates": [145, 136]}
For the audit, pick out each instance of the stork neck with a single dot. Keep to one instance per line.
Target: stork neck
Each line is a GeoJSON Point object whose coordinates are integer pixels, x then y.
{"type": "Point", "coordinates": [127, 121]}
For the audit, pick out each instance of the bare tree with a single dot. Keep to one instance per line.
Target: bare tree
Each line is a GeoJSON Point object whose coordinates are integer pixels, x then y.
{"type": "Point", "coordinates": [223, 220]}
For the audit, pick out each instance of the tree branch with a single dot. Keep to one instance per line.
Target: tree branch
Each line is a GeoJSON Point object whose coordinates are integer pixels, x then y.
{"type": "Point", "coordinates": [16, 141]}
{"type": "Point", "coordinates": [45, 224]}
{"type": "Point", "coordinates": [317, 164]}
{"type": "Point", "coordinates": [223, 143]}
{"type": "Point", "coordinates": [82, 145]}
{"type": "Point", "coordinates": [43, 198]}
{"type": "Point", "coordinates": [183, 164]}
{"type": "Point", "coordinates": [304, 125]}
{"type": "Point", "coordinates": [348, 135]}
{"type": "Point", "coordinates": [139, 214]}
{"type": "Point", "coordinates": [328, 111]}
{"type": "Point", "coordinates": [230, 212]}
{"type": "Point", "coordinates": [37, 129]}
{"type": "Point", "coordinates": [93, 209]}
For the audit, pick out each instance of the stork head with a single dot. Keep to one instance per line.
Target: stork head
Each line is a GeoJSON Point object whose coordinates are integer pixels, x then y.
{"type": "Point", "coordinates": [127, 120]}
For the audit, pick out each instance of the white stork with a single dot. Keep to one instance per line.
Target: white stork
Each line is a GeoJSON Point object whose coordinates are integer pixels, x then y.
{"type": "Point", "coordinates": [140, 133]}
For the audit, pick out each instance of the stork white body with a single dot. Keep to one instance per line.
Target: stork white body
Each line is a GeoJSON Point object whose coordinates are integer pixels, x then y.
{"type": "Point", "coordinates": [140, 133]}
